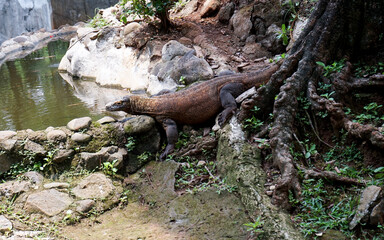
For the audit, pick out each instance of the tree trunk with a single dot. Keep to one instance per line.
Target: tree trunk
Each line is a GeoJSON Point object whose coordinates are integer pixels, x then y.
{"type": "Point", "coordinates": [336, 29]}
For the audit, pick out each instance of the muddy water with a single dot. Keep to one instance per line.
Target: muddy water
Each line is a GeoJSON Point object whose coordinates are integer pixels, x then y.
{"type": "Point", "coordinates": [34, 95]}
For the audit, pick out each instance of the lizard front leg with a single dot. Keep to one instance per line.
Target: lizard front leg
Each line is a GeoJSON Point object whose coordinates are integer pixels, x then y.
{"type": "Point", "coordinates": [227, 98]}
{"type": "Point", "coordinates": [170, 128]}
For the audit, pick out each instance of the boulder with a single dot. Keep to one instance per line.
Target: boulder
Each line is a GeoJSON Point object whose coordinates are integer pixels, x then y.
{"type": "Point", "coordinates": [5, 224]}
{"type": "Point", "coordinates": [106, 119]}
{"type": "Point", "coordinates": [34, 177]}
{"type": "Point", "coordinates": [91, 161]}
{"type": "Point", "coordinates": [188, 67]}
{"type": "Point", "coordinates": [12, 188]}
{"type": "Point", "coordinates": [7, 144]}
{"type": "Point", "coordinates": [62, 155]}
{"type": "Point", "coordinates": [367, 200]}
{"type": "Point", "coordinates": [79, 123]}
{"type": "Point", "coordinates": [7, 134]}
{"type": "Point", "coordinates": [96, 186]}
{"type": "Point", "coordinates": [226, 12]}
{"type": "Point", "coordinates": [81, 137]}
{"type": "Point", "coordinates": [172, 49]}
{"type": "Point", "coordinates": [241, 22]}
{"type": "Point", "coordinates": [56, 136]}
{"type": "Point", "coordinates": [34, 148]}
{"type": "Point", "coordinates": [132, 27]}
{"type": "Point", "coordinates": [271, 42]}
{"type": "Point", "coordinates": [139, 124]}
{"type": "Point", "coordinates": [49, 202]}
{"type": "Point", "coordinates": [84, 206]}
{"type": "Point", "coordinates": [377, 214]}
{"type": "Point", "coordinates": [209, 8]}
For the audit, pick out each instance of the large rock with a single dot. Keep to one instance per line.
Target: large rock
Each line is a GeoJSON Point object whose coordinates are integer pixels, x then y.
{"type": "Point", "coordinates": [241, 165]}
{"type": "Point", "coordinates": [189, 68]}
{"type": "Point", "coordinates": [81, 137]}
{"type": "Point", "coordinates": [271, 41]}
{"type": "Point", "coordinates": [7, 145]}
{"type": "Point", "coordinates": [172, 49]}
{"type": "Point", "coordinates": [56, 136]}
{"type": "Point", "coordinates": [241, 22]}
{"type": "Point", "coordinates": [226, 12]}
{"type": "Point", "coordinates": [78, 124]}
{"type": "Point", "coordinates": [139, 124]}
{"type": "Point", "coordinates": [50, 202]}
{"type": "Point", "coordinates": [367, 200]}
{"type": "Point", "coordinates": [34, 148]}
{"type": "Point", "coordinates": [7, 134]}
{"type": "Point", "coordinates": [12, 188]}
{"type": "Point", "coordinates": [5, 224]}
{"type": "Point", "coordinates": [6, 162]}
{"type": "Point", "coordinates": [91, 161]}
{"type": "Point", "coordinates": [209, 8]}
{"type": "Point", "coordinates": [96, 186]}
{"type": "Point", "coordinates": [63, 154]}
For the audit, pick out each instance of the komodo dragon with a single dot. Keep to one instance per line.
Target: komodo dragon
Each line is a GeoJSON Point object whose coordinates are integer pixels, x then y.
{"type": "Point", "coordinates": [193, 105]}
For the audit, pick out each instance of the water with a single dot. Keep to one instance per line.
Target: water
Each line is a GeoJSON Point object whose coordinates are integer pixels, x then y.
{"type": "Point", "coordinates": [33, 95]}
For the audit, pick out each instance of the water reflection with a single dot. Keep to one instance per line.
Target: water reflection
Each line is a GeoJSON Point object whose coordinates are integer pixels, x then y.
{"type": "Point", "coordinates": [34, 95]}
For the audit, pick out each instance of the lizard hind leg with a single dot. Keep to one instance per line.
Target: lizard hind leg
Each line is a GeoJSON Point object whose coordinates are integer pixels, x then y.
{"type": "Point", "coordinates": [227, 98]}
{"type": "Point", "coordinates": [170, 128]}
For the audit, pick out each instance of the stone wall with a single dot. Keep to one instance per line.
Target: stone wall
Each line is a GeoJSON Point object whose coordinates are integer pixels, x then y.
{"type": "Point", "coordinates": [73, 11]}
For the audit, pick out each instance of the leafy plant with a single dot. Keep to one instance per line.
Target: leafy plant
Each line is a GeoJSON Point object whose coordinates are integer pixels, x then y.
{"type": "Point", "coordinates": [255, 227]}
{"type": "Point", "coordinates": [284, 34]}
{"type": "Point", "coordinates": [370, 113]}
{"type": "Point", "coordinates": [334, 67]}
{"type": "Point", "coordinates": [98, 21]}
{"type": "Point", "coordinates": [317, 215]}
{"type": "Point", "coordinates": [253, 123]}
{"type": "Point", "coordinates": [131, 144]}
{"type": "Point", "coordinates": [364, 70]}
{"type": "Point", "coordinates": [109, 168]}
{"type": "Point", "coordinates": [147, 9]}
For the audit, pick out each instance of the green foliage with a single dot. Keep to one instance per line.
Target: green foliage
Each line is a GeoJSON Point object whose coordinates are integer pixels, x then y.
{"type": "Point", "coordinates": [144, 156]}
{"type": "Point", "coordinates": [98, 21]}
{"type": "Point", "coordinates": [321, 209]}
{"type": "Point", "coordinates": [364, 70]}
{"type": "Point", "coordinates": [284, 34]}
{"type": "Point", "coordinates": [109, 168]}
{"type": "Point", "coordinates": [146, 9]}
{"type": "Point", "coordinates": [131, 144]}
{"type": "Point", "coordinates": [255, 227]}
{"type": "Point", "coordinates": [334, 67]}
{"type": "Point", "coordinates": [253, 123]}
{"type": "Point", "coordinates": [370, 114]}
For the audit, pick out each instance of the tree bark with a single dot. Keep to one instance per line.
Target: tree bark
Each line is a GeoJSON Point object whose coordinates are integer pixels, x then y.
{"type": "Point", "coordinates": [336, 29]}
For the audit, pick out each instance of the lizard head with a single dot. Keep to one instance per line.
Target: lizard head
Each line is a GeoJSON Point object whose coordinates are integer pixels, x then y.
{"type": "Point", "coordinates": [121, 105]}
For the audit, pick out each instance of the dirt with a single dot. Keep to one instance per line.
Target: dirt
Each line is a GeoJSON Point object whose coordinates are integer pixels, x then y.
{"type": "Point", "coordinates": [131, 222]}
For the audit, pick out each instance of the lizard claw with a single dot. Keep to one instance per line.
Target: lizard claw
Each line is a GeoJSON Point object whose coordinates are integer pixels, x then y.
{"type": "Point", "coordinates": [168, 150]}
{"type": "Point", "coordinates": [225, 115]}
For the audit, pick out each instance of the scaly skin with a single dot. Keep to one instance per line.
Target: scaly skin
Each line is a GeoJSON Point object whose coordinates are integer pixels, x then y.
{"type": "Point", "coordinates": [194, 105]}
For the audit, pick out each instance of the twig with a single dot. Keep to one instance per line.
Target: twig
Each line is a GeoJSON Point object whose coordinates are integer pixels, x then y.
{"type": "Point", "coordinates": [313, 128]}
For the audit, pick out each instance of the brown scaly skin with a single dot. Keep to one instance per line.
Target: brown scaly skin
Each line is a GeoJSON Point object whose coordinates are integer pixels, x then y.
{"type": "Point", "coordinates": [194, 105]}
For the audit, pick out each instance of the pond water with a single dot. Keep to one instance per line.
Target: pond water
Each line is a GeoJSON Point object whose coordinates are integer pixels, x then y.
{"type": "Point", "coordinates": [33, 95]}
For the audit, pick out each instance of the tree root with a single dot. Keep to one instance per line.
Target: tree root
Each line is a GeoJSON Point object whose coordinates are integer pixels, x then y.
{"type": "Point", "coordinates": [332, 176]}
{"type": "Point", "coordinates": [323, 39]}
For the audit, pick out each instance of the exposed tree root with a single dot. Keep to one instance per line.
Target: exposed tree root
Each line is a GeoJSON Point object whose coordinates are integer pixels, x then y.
{"type": "Point", "coordinates": [329, 34]}
{"type": "Point", "coordinates": [332, 176]}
